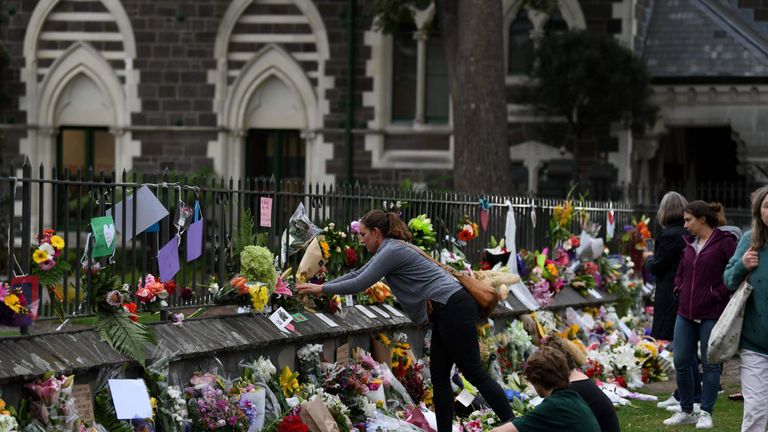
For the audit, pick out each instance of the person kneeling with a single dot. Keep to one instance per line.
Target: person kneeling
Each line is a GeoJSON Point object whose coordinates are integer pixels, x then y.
{"type": "Point", "coordinates": [562, 408]}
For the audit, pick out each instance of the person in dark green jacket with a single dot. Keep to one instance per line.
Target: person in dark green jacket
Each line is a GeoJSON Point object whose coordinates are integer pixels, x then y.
{"type": "Point", "coordinates": [751, 258]}
{"type": "Point", "coordinates": [562, 409]}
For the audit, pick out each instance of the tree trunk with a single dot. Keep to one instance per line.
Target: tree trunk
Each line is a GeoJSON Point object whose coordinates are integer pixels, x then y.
{"type": "Point", "coordinates": [473, 40]}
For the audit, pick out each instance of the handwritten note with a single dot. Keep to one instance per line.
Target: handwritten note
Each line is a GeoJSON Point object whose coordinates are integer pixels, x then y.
{"type": "Point", "coordinates": [266, 212]}
{"type": "Point", "coordinates": [83, 402]}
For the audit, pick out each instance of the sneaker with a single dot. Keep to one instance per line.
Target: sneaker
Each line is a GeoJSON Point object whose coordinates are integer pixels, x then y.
{"type": "Point", "coordinates": [669, 402]}
{"type": "Point", "coordinates": [676, 408]}
{"type": "Point", "coordinates": [704, 421]}
{"type": "Point", "coordinates": [681, 418]}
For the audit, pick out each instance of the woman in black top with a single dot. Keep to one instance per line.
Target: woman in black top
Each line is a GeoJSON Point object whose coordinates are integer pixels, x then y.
{"type": "Point", "coordinates": [596, 400]}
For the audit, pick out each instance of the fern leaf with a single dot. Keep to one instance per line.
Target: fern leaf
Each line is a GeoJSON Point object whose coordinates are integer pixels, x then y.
{"type": "Point", "coordinates": [105, 415]}
{"type": "Point", "coordinates": [125, 336]}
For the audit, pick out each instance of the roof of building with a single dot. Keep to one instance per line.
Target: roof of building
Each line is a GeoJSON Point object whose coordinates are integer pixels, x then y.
{"type": "Point", "coordinates": [705, 39]}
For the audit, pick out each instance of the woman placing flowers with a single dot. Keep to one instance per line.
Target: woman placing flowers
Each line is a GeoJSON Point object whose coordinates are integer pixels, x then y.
{"type": "Point", "coordinates": [415, 280]}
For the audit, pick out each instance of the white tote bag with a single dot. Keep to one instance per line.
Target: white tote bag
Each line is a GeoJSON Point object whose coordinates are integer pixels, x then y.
{"type": "Point", "coordinates": [725, 336]}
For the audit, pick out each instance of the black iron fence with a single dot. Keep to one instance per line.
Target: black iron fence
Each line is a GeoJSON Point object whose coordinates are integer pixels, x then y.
{"type": "Point", "coordinates": [66, 201]}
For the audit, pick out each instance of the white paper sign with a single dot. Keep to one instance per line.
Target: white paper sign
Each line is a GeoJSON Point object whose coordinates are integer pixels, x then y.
{"type": "Point", "coordinates": [281, 318]}
{"type": "Point", "coordinates": [380, 311]}
{"type": "Point", "coordinates": [149, 210]}
{"type": "Point", "coordinates": [349, 300]}
{"type": "Point", "coordinates": [131, 399]}
{"type": "Point", "coordinates": [520, 291]}
{"type": "Point", "coordinates": [594, 293]}
{"type": "Point", "coordinates": [394, 311]}
{"type": "Point", "coordinates": [326, 320]}
{"type": "Point", "coordinates": [465, 398]}
{"type": "Point", "coordinates": [365, 311]}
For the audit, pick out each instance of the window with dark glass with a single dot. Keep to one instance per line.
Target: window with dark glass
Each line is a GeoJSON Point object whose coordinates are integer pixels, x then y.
{"type": "Point", "coordinates": [438, 88]}
{"type": "Point", "coordinates": [404, 73]}
{"type": "Point", "coordinates": [275, 152]}
{"type": "Point", "coordinates": [520, 45]}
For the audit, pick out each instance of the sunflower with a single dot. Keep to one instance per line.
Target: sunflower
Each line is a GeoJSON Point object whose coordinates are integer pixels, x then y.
{"type": "Point", "coordinates": [40, 256]}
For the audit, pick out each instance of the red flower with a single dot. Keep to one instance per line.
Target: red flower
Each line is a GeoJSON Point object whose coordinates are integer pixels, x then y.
{"type": "Point", "coordinates": [187, 294]}
{"type": "Point", "coordinates": [170, 286]}
{"type": "Point", "coordinates": [292, 423]}
{"type": "Point", "coordinates": [131, 309]}
{"type": "Point", "coordinates": [351, 256]}
{"type": "Point", "coordinates": [485, 265]}
{"type": "Point", "coordinates": [621, 381]}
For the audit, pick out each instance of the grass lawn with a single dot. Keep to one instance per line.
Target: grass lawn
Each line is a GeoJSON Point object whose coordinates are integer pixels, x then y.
{"type": "Point", "coordinates": [645, 417]}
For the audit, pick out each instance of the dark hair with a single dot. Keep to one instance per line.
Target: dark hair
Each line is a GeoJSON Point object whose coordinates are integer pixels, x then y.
{"type": "Point", "coordinates": [714, 213]}
{"type": "Point", "coordinates": [759, 229]}
{"type": "Point", "coordinates": [548, 368]}
{"type": "Point", "coordinates": [671, 209]}
{"type": "Point", "coordinates": [555, 342]}
{"type": "Point", "coordinates": [390, 225]}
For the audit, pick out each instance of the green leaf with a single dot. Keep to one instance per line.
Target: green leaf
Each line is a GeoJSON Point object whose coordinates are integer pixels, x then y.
{"type": "Point", "coordinates": [125, 336]}
{"type": "Point", "coordinates": [105, 415]}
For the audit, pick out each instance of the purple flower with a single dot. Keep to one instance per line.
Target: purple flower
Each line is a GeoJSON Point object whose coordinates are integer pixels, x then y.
{"type": "Point", "coordinates": [354, 227]}
{"type": "Point", "coordinates": [177, 318]}
{"type": "Point", "coordinates": [115, 298]}
{"type": "Point", "coordinates": [521, 267]}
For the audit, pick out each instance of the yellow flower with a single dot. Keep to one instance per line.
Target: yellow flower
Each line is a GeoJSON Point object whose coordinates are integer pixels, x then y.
{"type": "Point", "coordinates": [12, 301]}
{"type": "Point", "coordinates": [57, 242]}
{"type": "Point", "coordinates": [383, 339]}
{"type": "Point", "coordinates": [289, 382]}
{"type": "Point", "coordinates": [40, 256]}
{"type": "Point", "coordinates": [326, 249]}
{"type": "Point", "coordinates": [259, 297]}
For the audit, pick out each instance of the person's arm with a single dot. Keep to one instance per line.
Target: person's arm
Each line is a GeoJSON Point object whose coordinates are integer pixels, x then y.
{"type": "Point", "coordinates": [506, 427]}
{"type": "Point", "coordinates": [667, 249]}
{"type": "Point", "coordinates": [380, 265]}
{"type": "Point", "coordinates": [735, 271]}
{"type": "Point", "coordinates": [680, 272]}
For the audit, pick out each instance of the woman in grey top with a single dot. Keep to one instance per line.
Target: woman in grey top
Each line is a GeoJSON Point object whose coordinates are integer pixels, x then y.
{"type": "Point", "coordinates": [414, 280]}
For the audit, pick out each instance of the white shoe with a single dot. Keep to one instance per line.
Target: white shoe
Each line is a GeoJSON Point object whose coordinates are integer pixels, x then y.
{"type": "Point", "coordinates": [677, 408]}
{"type": "Point", "coordinates": [704, 421]}
{"type": "Point", "coordinates": [681, 418]}
{"type": "Point", "coordinates": [669, 402]}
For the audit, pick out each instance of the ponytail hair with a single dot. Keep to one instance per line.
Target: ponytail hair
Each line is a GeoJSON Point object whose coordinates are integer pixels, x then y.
{"type": "Point", "coordinates": [713, 213]}
{"type": "Point", "coordinates": [389, 223]}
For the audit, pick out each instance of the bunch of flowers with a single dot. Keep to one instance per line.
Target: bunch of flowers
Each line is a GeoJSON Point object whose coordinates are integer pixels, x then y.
{"type": "Point", "coordinates": [14, 310]}
{"type": "Point", "coordinates": [455, 259]}
{"type": "Point", "coordinates": [52, 405]}
{"type": "Point", "coordinates": [289, 382]}
{"type": "Point", "coordinates": [544, 278]}
{"type": "Point", "coordinates": [423, 233]}
{"type": "Point", "coordinates": [512, 346]}
{"type": "Point", "coordinates": [257, 264]}
{"type": "Point", "coordinates": [50, 268]}
{"type": "Point", "coordinates": [349, 382]}
{"type": "Point", "coordinates": [170, 412]}
{"type": "Point", "coordinates": [406, 369]}
{"type": "Point", "coordinates": [376, 293]}
{"type": "Point", "coordinates": [651, 367]}
{"type": "Point", "coordinates": [152, 292]}
{"type": "Point", "coordinates": [309, 362]}
{"type": "Point", "coordinates": [587, 277]}
{"type": "Point", "coordinates": [636, 233]}
{"type": "Point", "coordinates": [8, 422]}
{"type": "Point", "coordinates": [560, 223]}
{"type": "Point", "coordinates": [249, 293]}
{"type": "Point", "coordinates": [211, 408]}
{"type": "Point", "coordinates": [339, 250]}
{"type": "Point", "coordinates": [480, 421]}
{"type": "Point", "coordinates": [292, 423]}
{"type": "Point", "coordinates": [339, 411]}
{"type": "Point", "coordinates": [466, 231]}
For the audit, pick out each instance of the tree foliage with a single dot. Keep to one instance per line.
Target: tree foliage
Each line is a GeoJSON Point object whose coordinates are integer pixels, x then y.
{"type": "Point", "coordinates": [591, 80]}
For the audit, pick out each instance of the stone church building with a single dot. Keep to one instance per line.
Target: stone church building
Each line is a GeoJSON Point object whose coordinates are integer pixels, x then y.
{"type": "Point", "coordinates": [268, 87]}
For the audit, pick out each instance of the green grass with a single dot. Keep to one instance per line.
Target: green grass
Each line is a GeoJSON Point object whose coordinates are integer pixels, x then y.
{"type": "Point", "coordinates": [645, 417]}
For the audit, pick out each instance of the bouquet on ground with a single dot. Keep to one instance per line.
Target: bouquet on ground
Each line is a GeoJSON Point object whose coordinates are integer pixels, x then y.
{"type": "Point", "coordinates": [211, 407]}
{"type": "Point", "coordinates": [52, 404]}
{"type": "Point", "coordinates": [50, 268]}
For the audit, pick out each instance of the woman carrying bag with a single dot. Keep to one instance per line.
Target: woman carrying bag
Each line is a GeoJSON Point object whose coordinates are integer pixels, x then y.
{"type": "Point", "coordinates": [751, 258]}
{"type": "Point", "coordinates": [415, 279]}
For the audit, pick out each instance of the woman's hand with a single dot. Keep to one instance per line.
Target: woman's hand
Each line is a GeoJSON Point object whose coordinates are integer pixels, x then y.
{"type": "Point", "coordinates": [309, 288]}
{"type": "Point", "coordinates": [750, 259]}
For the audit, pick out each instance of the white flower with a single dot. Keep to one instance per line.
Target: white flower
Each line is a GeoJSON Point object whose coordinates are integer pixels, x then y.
{"type": "Point", "coordinates": [265, 368]}
{"type": "Point", "coordinates": [8, 423]}
{"type": "Point", "coordinates": [221, 422]}
{"type": "Point", "coordinates": [47, 248]}
{"type": "Point", "coordinates": [213, 288]}
{"type": "Point", "coordinates": [343, 235]}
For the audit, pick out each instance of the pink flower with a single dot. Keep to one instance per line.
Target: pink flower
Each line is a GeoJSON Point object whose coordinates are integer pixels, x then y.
{"type": "Point", "coordinates": [4, 291]}
{"type": "Point", "coordinates": [47, 392]}
{"type": "Point", "coordinates": [47, 265]}
{"type": "Point", "coordinates": [354, 227]}
{"type": "Point", "coordinates": [148, 280]}
{"type": "Point", "coordinates": [282, 288]}
{"type": "Point", "coordinates": [145, 295]}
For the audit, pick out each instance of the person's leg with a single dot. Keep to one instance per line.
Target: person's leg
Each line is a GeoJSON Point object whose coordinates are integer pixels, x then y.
{"type": "Point", "coordinates": [440, 367]}
{"type": "Point", "coordinates": [710, 381]}
{"type": "Point", "coordinates": [459, 334]}
{"type": "Point", "coordinates": [686, 337]}
{"type": "Point", "coordinates": [696, 374]}
{"type": "Point", "coordinates": [754, 387]}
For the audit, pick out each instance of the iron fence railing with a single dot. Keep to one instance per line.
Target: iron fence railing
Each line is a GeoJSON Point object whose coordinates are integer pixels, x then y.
{"type": "Point", "coordinates": [66, 201]}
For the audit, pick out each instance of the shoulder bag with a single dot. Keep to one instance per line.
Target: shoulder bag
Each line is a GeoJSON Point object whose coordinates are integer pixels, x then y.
{"type": "Point", "coordinates": [484, 294]}
{"type": "Point", "coordinates": [726, 334]}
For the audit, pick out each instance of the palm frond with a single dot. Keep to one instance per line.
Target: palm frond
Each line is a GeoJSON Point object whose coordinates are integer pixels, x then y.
{"type": "Point", "coordinates": [125, 336]}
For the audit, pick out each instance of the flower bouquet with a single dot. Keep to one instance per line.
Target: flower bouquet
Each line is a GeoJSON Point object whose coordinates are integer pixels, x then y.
{"type": "Point", "coordinates": [14, 310]}
{"type": "Point", "coordinates": [50, 268]}
{"type": "Point", "coordinates": [466, 231]}
{"type": "Point", "coordinates": [256, 283]}
{"type": "Point", "coordinates": [211, 408]}
{"type": "Point", "coordinates": [8, 422]}
{"type": "Point", "coordinates": [53, 408]}
{"type": "Point", "coordinates": [424, 236]}
{"type": "Point", "coordinates": [376, 294]}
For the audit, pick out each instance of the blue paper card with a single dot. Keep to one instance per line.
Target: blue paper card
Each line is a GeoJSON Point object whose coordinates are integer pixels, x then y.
{"type": "Point", "coordinates": [168, 260]}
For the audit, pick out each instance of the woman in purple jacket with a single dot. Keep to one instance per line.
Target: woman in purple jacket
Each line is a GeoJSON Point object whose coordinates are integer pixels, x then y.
{"type": "Point", "coordinates": [702, 297]}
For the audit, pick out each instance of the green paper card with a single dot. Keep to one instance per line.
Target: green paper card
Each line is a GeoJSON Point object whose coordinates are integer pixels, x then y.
{"type": "Point", "coordinates": [299, 317]}
{"type": "Point", "coordinates": [104, 237]}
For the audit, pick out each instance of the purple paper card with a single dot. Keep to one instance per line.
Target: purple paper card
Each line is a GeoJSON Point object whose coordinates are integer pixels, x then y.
{"type": "Point", "coordinates": [195, 240]}
{"type": "Point", "coordinates": [168, 260]}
